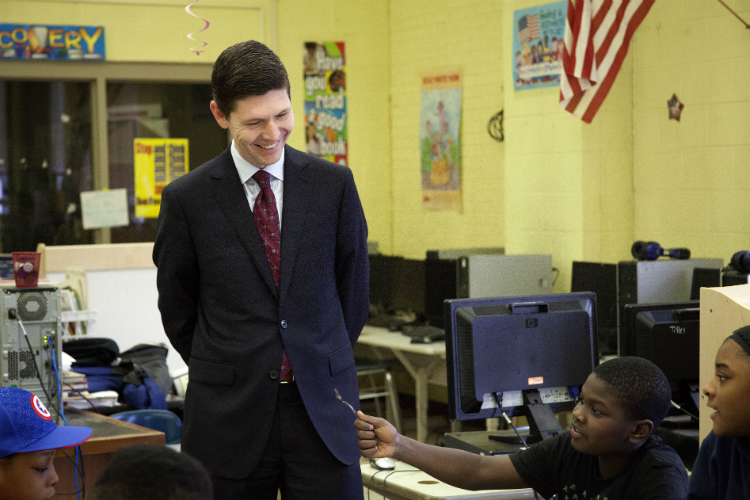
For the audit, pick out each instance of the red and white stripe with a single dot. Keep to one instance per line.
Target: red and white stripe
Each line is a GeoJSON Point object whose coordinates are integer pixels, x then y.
{"type": "Point", "coordinates": [597, 37]}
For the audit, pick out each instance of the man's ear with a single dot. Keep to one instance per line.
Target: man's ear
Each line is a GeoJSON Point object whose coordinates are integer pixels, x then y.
{"type": "Point", "coordinates": [642, 429]}
{"type": "Point", "coordinates": [221, 119]}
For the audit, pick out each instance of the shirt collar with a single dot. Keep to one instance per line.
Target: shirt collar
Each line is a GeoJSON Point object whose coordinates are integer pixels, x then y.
{"type": "Point", "coordinates": [247, 169]}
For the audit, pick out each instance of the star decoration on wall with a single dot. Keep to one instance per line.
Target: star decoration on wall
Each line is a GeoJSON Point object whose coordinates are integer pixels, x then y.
{"type": "Point", "coordinates": [675, 108]}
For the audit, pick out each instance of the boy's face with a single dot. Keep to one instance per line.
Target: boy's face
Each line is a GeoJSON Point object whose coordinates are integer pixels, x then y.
{"type": "Point", "coordinates": [29, 476]}
{"type": "Point", "coordinates": [600, 426]}
{"type": "Point", "coordinates": [727, 391]}
{"type": "Point", "coordinates": [260, 126]}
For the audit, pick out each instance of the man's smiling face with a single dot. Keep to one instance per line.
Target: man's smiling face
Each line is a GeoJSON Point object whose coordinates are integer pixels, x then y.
{"type": "Point", "coordinates": [260, 126]}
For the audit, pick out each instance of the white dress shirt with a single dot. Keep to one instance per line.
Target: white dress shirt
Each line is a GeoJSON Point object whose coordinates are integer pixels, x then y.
{"type": "Point", "coordinates": [252, 189]}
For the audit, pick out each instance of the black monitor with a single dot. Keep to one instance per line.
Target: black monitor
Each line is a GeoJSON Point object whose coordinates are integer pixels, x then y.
{"type": "Point", "coordinates": [382, 279]}
{"type": "Point", "coordinates": [667, 334]}
{"type": "Point", "coordinates": [409, 287]}
{"type": "Point", "coordinates": [712, 278]}
{"type": "Point", "coordinates": [397, 284]}
{"type": "Point", "coordinates": [442, 282]}
{"type": "Point", "coordinates": [601, 279]}
{"type": "Point", "coordinates": [529, 355]}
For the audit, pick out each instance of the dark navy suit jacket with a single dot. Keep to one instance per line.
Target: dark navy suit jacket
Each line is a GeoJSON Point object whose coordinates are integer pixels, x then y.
{"type": "Point", "coordinates": [221, 311]}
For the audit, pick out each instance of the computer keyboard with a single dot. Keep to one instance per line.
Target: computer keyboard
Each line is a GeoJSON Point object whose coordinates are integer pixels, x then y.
{"type": "Point", "coordinates": [423, 334]}
{"type": "Point", "coordinates": [385, 320]}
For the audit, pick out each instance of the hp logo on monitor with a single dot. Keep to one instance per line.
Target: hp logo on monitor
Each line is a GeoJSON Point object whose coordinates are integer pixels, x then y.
{"type": "Point", "coordinates": [532, 323]}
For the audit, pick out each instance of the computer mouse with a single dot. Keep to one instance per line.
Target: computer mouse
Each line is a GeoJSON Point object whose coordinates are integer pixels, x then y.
{"type": "Point", "coordinates": [384, 463]}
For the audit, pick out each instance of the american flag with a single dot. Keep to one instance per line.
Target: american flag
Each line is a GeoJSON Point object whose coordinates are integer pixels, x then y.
{"type": "Point", "coordinates": [597, 37]}
{"type": "Point", "coordinates": [528, 28]}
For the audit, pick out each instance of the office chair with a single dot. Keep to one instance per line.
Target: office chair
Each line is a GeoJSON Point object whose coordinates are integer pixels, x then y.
{"type": "Point", "coordinates": [373, 390]}
{"type": "Point", "coordinates": [158, 420]}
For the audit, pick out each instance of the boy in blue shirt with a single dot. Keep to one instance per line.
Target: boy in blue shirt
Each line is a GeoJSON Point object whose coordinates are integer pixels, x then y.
{"type": "Point", "coordinates": [28, 440]}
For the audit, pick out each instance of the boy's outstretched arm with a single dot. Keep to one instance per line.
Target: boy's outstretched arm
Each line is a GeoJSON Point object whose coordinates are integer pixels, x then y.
{"type": "Point", "coordinates": [378, 438]}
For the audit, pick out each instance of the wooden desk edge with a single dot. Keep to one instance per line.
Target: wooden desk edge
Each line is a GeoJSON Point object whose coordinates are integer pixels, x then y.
{"type": "Point", "coordinates": [108, 444]}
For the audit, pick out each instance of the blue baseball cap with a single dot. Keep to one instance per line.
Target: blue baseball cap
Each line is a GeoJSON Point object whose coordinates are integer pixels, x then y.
{"type": "Point", "coordinates": [26, 425]}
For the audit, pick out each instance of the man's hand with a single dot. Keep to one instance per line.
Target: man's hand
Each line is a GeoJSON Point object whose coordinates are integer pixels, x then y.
{"type": "Point", "coordinates": [376, 436]}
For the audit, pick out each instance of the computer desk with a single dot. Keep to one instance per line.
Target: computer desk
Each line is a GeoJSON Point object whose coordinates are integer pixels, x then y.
{"type": "Point", "coordinates": [424, 362]}
{"type": "Point", "coordinates": [408, 483]}
{"type": "Point", "coordinates": [109, 435]}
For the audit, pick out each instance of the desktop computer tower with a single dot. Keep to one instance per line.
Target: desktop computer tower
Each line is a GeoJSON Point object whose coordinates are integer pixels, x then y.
{"type": "Point", "coordinates": [38, 310]}
{"type": "Point", "coordinates": [476, 276]}
{"type": "Point", "coordinates": [456, 253]}
{"type": "Point", "coordinates": [600, 278]}
{"type": "Point", "coordinates": [655, 281]}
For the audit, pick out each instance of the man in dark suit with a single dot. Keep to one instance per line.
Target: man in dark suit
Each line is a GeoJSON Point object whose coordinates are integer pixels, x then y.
{"type": "Point", "coordinates": [241, 311]}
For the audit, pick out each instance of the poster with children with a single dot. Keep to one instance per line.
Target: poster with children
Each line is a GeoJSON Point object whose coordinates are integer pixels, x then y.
{"type": "Point", "coordinates": [324, 66]}
{"type": "Point", "coordinates": [440, 121]}
{"type": "Point", "coordinates": [538, 45]}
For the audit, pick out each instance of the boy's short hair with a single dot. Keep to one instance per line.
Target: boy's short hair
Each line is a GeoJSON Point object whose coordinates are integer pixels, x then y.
{"type": "Point", "coordinates": [152, 472]}
{"type": "Point", "coordinates": [639, 386]}
{"type": "Point", "coordinates": [246, 69]}
{"type": "Point", "coordinates": [26, 425]}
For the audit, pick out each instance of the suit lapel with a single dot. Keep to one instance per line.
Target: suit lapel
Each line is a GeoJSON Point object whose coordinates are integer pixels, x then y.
{"type": "Point", "coordinates": [229, 194]}
{"type": "Point", "coordinates": [296, 204]}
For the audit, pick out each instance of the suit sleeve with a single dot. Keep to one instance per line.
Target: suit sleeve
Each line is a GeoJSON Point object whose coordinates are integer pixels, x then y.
{"type": "Point", "coordinates": [352, 264]}
{"type": "Point", "coordinates": [177, 274]}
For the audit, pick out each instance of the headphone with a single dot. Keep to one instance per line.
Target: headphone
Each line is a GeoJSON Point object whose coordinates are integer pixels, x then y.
{"type": "Point", "coordinates": [651, 250]}
{"type": "Point", "coordinates": [740, 261]}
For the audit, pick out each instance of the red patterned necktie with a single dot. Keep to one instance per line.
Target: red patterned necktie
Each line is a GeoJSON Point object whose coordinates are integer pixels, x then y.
{"type": "Point", "coordinates": [267, 219]}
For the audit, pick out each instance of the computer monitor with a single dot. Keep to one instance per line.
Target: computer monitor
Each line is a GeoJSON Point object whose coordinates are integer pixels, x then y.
{"type": "Point", "coordinates": [667, 334]}
{"type": "Point", "coordinates": [523, 355]}
{"type": "Point", "coordinates": [601, 279]}
{"type": "Point", "coordinates": [409, 287]}
{"type": "Point", "coordinates": [382, 279]}
{"type": "Point", "coordinates": [712, 278]}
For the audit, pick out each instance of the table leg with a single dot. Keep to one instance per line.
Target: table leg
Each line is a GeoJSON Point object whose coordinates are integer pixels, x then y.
{"type": "Point", "coordinates": [422, 403]}
{"type": "Point", "coordinates": [421, 376]}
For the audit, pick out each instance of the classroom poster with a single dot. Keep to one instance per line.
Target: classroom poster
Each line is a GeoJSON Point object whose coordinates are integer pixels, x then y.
{"type": "Point", "coordinates": [440, 121]}
{"type": "Point", "coordinates": [325, 100]}
{"type": "Point", "coordinates": [157, 163]}
{"type": "Point", "coordinates": [538, 45]}
{"type": "Point", "coordinates": [39, 41]}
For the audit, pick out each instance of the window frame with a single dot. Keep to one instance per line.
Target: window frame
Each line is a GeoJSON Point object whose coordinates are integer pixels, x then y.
{"type": "Point", "coordinates": [99, 74]}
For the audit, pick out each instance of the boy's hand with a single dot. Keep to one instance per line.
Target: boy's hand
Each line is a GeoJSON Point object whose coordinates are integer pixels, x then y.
{"type": "Point", "coordinates": [377, 437]}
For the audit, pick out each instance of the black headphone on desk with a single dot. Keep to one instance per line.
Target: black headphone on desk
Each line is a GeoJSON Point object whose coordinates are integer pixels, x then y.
{"type": "Point", "coordinates": [740, 261]}
{"type": "Point", "coordinates": [651, 250]}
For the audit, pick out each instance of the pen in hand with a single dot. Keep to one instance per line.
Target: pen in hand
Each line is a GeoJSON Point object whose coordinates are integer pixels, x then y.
{"type": "Point", "coordinates": [338, 396]}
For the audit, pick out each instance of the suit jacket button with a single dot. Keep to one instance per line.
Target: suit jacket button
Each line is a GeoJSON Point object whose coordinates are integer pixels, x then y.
{"type": "Point", "coordinates": [283, 323]}
{"type": "Point", "coordinates": [273, 374]}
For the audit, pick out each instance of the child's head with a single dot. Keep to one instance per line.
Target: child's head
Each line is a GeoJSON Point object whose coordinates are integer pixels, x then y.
{"type": "Point", "coordinates": [622, 402]}
{"type": "Point", "coordinates": [28, 440]}
{"type": "Point", "coordinates": [729, 388]}
{"type": "Point", "coordinates": [152, 472]}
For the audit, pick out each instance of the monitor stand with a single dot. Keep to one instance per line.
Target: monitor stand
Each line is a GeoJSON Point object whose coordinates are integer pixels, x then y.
{"type": "Point", "coordinates": [543, 423]}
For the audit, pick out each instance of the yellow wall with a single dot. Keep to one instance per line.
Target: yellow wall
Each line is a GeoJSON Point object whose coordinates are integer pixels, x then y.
{"type": "Point", "coordinates": [692, 177]}
{"type": "Point", "coordinates": [363, 26]}
{"type": "Point", "coordinates": [150, 31]}
{"type": "Point", "coordinates": [436, 34]}
{"type": "Point", "coordinates": [571, 193]}
{"type": "Point", "coordinates": [556, 185]}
